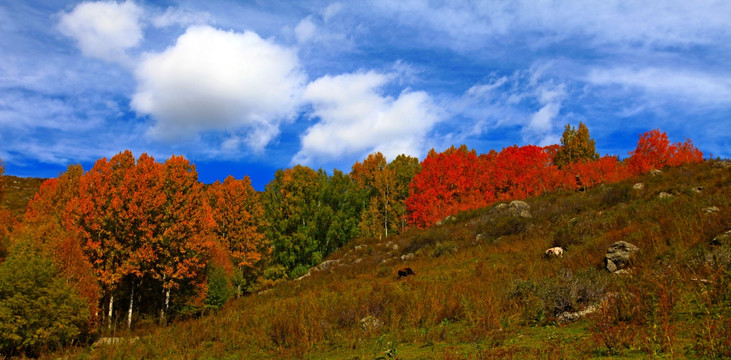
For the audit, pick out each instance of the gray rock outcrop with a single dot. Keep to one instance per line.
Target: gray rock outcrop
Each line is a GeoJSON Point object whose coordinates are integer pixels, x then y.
{"type": "Point", "coordinates": [619, 256]}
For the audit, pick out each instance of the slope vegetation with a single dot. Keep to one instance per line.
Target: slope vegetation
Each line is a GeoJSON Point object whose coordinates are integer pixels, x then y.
{"type": "Point", "coordinates": [484, 289]}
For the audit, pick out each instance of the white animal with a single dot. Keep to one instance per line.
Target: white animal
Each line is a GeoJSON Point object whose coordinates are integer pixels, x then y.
{"type": "Point", "coordinates": [555, 251]}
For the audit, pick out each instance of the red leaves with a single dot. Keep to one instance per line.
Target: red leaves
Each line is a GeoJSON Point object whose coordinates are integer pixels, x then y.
{"type": "Point", "coordinates": [654, 151]}
{"type": "Point", "coordinates": [458, 180]}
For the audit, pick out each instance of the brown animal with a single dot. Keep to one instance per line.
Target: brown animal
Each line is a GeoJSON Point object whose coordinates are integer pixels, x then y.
{"type": "Point", "coordinates": [405, 272]}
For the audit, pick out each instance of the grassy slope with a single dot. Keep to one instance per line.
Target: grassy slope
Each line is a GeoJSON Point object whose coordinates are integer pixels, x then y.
{"type": "Point", "coordinates": [497, 297]}
{"type": "Point", "coordinates": [17, 192]}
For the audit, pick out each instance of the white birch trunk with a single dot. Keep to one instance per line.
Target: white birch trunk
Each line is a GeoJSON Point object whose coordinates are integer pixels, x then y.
{"type": "Point", "coordinates": [111, 307]}
{"type": "Point", "coordinates": [131, 303]}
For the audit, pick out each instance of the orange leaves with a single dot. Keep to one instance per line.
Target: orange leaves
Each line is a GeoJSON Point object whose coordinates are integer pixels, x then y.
{"type": "Point", "coordinates": [239, 217]}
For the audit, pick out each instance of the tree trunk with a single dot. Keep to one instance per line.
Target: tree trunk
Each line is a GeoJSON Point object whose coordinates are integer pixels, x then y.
{"type": "Point", "coordinates": [164, 310]}
{"type": "Point", "coordinates": [131, 303]}
{"type": "Point", "coordinates": [111, 306]}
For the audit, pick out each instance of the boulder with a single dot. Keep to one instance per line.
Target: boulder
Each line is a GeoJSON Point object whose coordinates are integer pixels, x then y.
{"type": "Point", "coordinates": [697, 189]}
{"type": "Point", "coordinates": [361, 247]}
{"type": "Point", "coordinates": [409, 256]}
{"type": "Point", "coordinates": [638, 186]}
{"type": "Point", "coordinates": [654, 172]}
{"type": "Point", "coordinates": [619, 255]}
{"type": "Point", "coordinates": [519, 208]}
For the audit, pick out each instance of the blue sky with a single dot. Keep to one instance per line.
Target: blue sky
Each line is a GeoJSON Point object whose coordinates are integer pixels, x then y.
{"type": "Point", "coordinates": [248, 87]}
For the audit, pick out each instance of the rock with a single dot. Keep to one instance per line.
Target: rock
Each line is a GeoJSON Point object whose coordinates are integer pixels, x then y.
{"type": "Point", "coordinates": [619, 255]}
{"type": "Point", "coordinates": [572, 316]}
{"type": "Point", "coordinates": [309, 273]}
{"type": "Point", "coordinates": [697, 189]}
{"type": "Point", "coordinates": [721, 239]}
{"type": "Point", "coordinates": [447, 220]}
{"type": "Point", "coordinates": [664, 195]}
{"type": "Point", "coordinates": [638, 186]}
{"type": "Point", "coordinates": [328, 264]}
{"type": "Point", "coordinates": [711, 210]}
{"type": "Point", "coordinates": [358, 261]}
{"type": "Point", "coordinates": [654, 172]}
{"type": "Point", "coordinates": [480, 237]}
{"type": "Point", "coordinates": [370, 323]}
{"type": "Point", "coordinates": [407, 257]}
{"type": "Point", "coordinates": [394, 247]}
{"type": "Point", "coordinates": [361, 247]}
{"type": "Point", "coordinates": [519, 208]}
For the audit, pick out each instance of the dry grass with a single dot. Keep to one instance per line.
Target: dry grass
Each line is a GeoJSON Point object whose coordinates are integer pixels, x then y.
{"type": "Point", "coordinates": [498, 297]}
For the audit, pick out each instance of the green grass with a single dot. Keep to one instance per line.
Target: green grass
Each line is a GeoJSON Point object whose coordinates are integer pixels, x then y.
{"type": "Point", "coordinates": [497, 297]}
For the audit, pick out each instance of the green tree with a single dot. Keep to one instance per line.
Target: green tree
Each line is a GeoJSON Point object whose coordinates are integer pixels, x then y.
{"type": "Point", "coordinates": [38, 310]}
{"type": "Point", "coordinates": [291, 200]}
{"type": "Point", "coordinates": [220, 289]}
{"type": "Point", "coordinates": [576, 146]}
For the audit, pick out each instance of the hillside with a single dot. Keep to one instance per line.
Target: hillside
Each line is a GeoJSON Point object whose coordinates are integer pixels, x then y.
{"type": "Point", "coordinates": [17, 191]}
{"type": "Point", "coordinates": [484, 289]}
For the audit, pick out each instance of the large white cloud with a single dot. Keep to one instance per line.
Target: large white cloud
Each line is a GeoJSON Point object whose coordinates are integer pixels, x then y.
{"type": "Point", "coordinates": [356, 119]}
{"type": "Point", "coordinates": [104, 30]}
{"type": "Point", "coordinates": [217, 80]}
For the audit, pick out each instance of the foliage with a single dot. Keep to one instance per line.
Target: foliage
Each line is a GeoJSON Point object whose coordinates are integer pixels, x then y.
{"type": "Point", "coordinates": [459, 180]}
{"type": "Point", "coordinates": [654, 151]}
{"type": "Point", "coordinates": [39, 311]}
{"type": "Point", "coordinates": [219, 287]}
{"type": "Point", "coordinates": [576, 146]}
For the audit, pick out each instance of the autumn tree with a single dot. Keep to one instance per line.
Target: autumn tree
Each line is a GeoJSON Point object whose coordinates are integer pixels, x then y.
{"type": "Point", "coordinates": [654, 151]}
{"type": "Point", "coordinates": [99, 216]}
{"type": "Point", "coordinates": [240, 223]}
{"type": "Point", "coordinates": [576, 146]}
{"type": "Point", "coordinates": [383, 189]}
{"type": "Point", "coordinates": [43, 224]}
{"type": "Point", "coordinates": [447, 183]}
{"type": "Point", "coordinates": [185, 237]}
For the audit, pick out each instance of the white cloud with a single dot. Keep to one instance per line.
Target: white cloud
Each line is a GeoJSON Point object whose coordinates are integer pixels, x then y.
{"type": "Point", "coordinates": [356, 119]}
{"type": "Point", "coordinates": [217, 80]}
{"type": "Point", "coordinates": [672, 84]}
{"type": "Point", "coordinates": [104, 30]}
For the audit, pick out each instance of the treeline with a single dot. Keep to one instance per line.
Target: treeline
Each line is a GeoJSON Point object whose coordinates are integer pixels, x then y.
{"type": "Point", "coordinates": [135, 237]}
{"type": "Point", "coordinates": [458, 179]}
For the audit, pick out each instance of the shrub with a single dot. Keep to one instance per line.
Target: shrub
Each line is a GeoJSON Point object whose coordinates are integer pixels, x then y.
{"type": "Point", "coordinates": [38, 310]}
{"type": "Point", "coordinates": [219, 288]}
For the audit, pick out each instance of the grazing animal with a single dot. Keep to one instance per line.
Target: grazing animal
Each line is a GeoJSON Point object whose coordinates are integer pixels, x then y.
{"type": "Point", "coordinates": [405, 272]}
{"type": "Point", "coordinates": [555, 251]}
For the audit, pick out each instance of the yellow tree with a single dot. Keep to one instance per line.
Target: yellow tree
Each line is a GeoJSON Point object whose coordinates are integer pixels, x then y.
{"type": "Point", "coordinates": [576, 146]}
